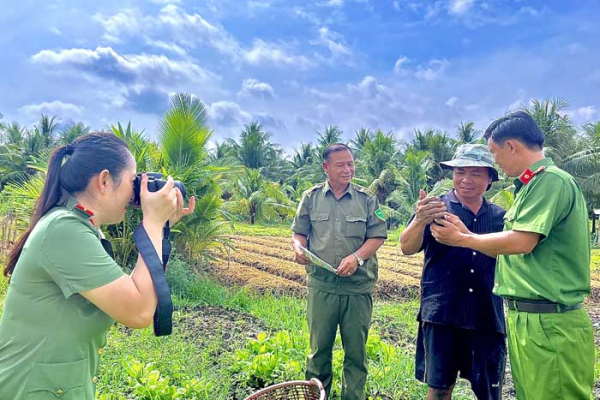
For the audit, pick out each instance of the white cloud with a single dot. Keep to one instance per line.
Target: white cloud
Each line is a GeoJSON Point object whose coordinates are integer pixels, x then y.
{"type": "Point", "coordinates": [121, 25]}
{"type": "Point", "coordinates": [369, 89]}
{"type": "Point", "coordinates": [335, 3]}
{"type": "Point", "coordinates": [276, 55]}
{"type": "Point", "coordinates": [399, 65]}
{"type": "Point", "coordinates": [460, 7]}
{"type": "Point", "coordinates": [268, 121]}
{"type": "Point", "coordinates": [172, 24]}
{"type": "Point", "coordinates": [176, 30]}
{"type": "Point", "coordinates": [584, 114]}
{"type": "Point", "coordinates": [55, 30]}
{"type": "Point", "coordinates": [108, 64]}
{"type": "Point", "coordinates": [166, 1]}
{"type": "Point", "coordinates": [451, 101]}
{"type": "Point", "coordinates": [430, 71]}
{"type": "Point", "coordinates": [334, 42]}
{"type": "Point", "coordinates": [173, 48]}
{"type": "Point", "coordinates": [254, 5]}
{"type": "Point", "coordinates": [255, 88]}
{"type": "Point", "coordinates": [53, 108]}
{"type": "Point", "coordinates": [227, 114]}
{"type": "Point", "coordinates": [322, 94]}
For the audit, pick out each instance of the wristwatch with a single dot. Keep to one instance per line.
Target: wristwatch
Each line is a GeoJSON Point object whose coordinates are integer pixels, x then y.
{"type": "Point", "coordinates": [359, 259]}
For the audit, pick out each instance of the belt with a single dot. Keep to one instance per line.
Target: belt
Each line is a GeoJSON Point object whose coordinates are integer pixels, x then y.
{"type": "Point", "coordinates": [540, 307]}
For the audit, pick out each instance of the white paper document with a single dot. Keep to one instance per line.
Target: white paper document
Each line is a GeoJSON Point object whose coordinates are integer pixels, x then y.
{"type": "Point", "coordinates": [316, 260]}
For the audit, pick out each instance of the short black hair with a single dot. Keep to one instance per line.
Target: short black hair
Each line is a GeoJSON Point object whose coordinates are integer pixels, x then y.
{"type": "Point", "coordinates": [334, 148]}
{"type": "Point", "coordinates": [517, 125]}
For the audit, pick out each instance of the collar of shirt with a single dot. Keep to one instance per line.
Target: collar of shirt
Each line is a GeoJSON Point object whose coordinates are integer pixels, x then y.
{"type": "Point", "coordinates": [84, 213]}
{"type": "Point", "coordinates": [452, 197]}
{"type": "Point", "coordinates": [528, 175]}
{"type": "Point", "coordinates": [349, 190]}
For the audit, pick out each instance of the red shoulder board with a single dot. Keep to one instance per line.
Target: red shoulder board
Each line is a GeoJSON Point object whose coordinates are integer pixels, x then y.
{"type": "Point", "coordinates": [527, 176]}
{"type": "Point", "coordinates": [85, 210]}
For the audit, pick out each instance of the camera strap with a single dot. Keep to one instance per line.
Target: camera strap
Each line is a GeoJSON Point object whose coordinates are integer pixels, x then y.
{"type": "Point", "coordinates": [163, 323]}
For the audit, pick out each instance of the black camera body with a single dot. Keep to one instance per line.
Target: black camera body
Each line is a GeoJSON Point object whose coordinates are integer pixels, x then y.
{"type": "Point", "coordinates": [155, 183]}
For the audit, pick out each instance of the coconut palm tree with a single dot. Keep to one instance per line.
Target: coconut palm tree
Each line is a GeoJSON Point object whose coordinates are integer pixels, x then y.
{"type": "Point", "coordinates": [332, 134]}
{"type": "Point", "coordinates": [72, 132]}
{"type": "Point", "coordinates": [46, 130]}
{"type": "Point", "coordinates": [378, 153]}
{"type": "Point", "coordinates": [183, 137]}
{"type": "Point", "coordinates": [257, 199]}
{"type": "Point", "coordinates": [559, 131]}
{"type": "Point", "coordinates": [467, 133]}
{"type": "Point", "coordinates": [361, 137]}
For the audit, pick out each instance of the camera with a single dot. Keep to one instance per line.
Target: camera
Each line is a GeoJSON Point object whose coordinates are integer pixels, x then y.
{"type": "Point", "coordinates": [155, 183]}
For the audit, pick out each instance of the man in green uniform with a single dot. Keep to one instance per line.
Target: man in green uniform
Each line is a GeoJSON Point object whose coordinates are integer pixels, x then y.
{"type": "Point", "coordinates": [543, 266]}
{"type": "Point", "coordinates": [342, 224]}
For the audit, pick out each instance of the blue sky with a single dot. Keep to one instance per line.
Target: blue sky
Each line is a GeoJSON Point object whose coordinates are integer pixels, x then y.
{"type": "Point", "coordinates": [297, 66]}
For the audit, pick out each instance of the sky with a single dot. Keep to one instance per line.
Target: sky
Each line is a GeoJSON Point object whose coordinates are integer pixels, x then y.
{"type": "Point", "coordinates": [298, 66]}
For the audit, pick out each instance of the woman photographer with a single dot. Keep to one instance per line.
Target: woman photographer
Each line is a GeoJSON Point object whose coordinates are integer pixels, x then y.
{"type": "Point", "coordinates": [65, 290]}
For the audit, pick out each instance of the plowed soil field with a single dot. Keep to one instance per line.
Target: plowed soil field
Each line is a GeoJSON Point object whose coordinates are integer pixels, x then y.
{"type": "Point", "coordinates": [266, 264]}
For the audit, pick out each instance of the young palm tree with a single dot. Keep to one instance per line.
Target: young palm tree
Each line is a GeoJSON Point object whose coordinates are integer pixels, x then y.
{"type": "Point", "coordinates": [182, 139]}
{"type": "Point", "coordinates": [332, 134]}
{"type": "Point", "coordinates": [378, 153]}
{"type": "Point", "coordinates": [467, 133]}
{"type": "Point", "coordinates": [559, 131]}
{"type": "Point", "coordinates": [412, 178]}
{"type": "Point", "coordinates": [361, 137]}
{"type": "Point", "coordinates": [46, 130]}
{"type": "Point", "coordinates": [138, 144]}
{"type": "Point", "coordinates": [72, 132]}
{"type": "Point", "coordinates": [440, 147]}
{"type": "Point", "coordinates": [256, 199]}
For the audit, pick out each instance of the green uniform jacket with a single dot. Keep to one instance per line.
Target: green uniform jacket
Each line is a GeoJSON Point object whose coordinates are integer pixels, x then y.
{"type": "Point", "coordinates": [336, 228]}
{"type": "Point", "coordinates": [51, 337]}
{"type": "Point", "coordinates": [549, 202]}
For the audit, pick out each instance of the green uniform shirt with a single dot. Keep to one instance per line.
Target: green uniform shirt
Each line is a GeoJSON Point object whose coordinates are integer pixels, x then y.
{"type": "Point", "coordinates": [50, 336]}
{"type": "Point", "coordinates": [337, 228]}
{"type": "Point", "coordinates": [558, 268]}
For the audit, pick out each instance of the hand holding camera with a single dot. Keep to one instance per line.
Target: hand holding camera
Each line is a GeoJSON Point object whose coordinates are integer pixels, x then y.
{"type": "Point", "coordinates": [161, 200]}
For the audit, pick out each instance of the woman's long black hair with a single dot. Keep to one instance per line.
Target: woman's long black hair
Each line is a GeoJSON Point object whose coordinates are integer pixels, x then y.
{"type": "Point", "coordinates": [86, 157]}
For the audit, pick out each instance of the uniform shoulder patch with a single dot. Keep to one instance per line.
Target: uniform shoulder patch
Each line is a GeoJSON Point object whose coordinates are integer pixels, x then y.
{"type": "Point", "coordinates": [312, 189]}
{"type": "Point", "coordinates": [379, 214]}
{"type": "Point", "coordinates": [363, 189]}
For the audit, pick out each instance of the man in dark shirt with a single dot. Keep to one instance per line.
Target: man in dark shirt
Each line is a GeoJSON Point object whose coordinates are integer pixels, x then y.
{"type": "Point", "coordinates": [461, 323]}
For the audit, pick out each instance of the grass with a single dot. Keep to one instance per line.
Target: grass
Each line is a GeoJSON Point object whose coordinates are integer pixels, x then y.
{"type": "Point", "coordinates": [595, 264]}
{"type": "Point", "coordinates": [242, 228]}
{"type": "Point", "coordinates": [202, 359]}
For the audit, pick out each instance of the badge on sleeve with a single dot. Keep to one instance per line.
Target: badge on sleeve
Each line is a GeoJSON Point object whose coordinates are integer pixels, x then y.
{"type": "Point", "coordinates": [379, 214]}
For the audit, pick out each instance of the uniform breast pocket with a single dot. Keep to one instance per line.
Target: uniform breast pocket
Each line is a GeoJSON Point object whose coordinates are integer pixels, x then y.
{"type": "Point", "coordinates": [320, 223]}
{"type": "Point", "coordinates": [65, 381]}
{"type": "Point", "coordinates": [356, 226]}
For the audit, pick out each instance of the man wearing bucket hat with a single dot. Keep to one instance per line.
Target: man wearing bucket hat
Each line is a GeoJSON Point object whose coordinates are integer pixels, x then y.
{"type": "Point", "coordinates": [543, 266]}
{"type": "Point", "coordinates": [461, 323]}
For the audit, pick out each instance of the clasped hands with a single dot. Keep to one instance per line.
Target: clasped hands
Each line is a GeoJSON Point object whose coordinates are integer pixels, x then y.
{"type": "Point", "coordinates": [446, 228]}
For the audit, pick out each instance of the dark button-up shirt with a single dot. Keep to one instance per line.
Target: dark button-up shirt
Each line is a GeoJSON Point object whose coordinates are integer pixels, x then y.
{"type": "Point", "coordinates": [457, 283]}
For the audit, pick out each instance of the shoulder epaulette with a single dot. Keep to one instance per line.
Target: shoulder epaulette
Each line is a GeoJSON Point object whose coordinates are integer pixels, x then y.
{"type": "Point", "coordinates": [312, 189]}
{"type": "Point", "coordinates": [527, 176]}
{"type": "Point", "coordinates": [364, 190]}
{"type": "Point", "coordinates": [83, 213]}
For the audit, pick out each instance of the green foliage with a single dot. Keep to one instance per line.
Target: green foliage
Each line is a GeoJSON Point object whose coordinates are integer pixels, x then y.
{"type": "Point", "coordinates": [146, 383]}
{"type": "Point", "coordinates": [270, 359]}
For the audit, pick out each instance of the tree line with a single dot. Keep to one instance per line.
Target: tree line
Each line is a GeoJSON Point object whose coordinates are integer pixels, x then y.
{"type": "Point", "coordinates": [251, 179]}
